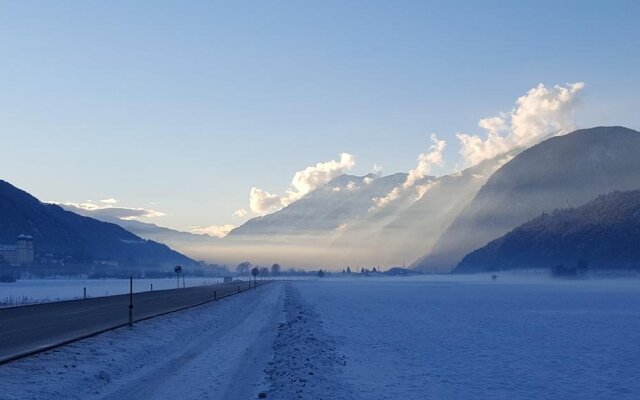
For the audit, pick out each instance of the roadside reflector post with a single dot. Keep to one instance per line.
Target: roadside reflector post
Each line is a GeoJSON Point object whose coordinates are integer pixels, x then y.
{"type": "Point", "coordinates": [131, 301]}
{"type": "Point", "coordinates": [152, 287]}
{"type": "Point", "coordinates": [238, 288]}
{"type": "Point", "coordinates": [85, 293]}
{"type": "Point", "coordinates": [215, 295]}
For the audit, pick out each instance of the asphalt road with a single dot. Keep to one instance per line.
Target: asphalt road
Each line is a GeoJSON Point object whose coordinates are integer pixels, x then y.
{"type": "Point", "coordinates": [29, 329]}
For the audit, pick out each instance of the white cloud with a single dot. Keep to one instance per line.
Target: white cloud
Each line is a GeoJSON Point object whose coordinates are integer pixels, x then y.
{"type": "Point", "coordinates": [368, 180]}
{"type": "Point", "coordinates": [352, 186]}
{"type": "Point", "coordinates": [381, 202]}
{"type": "Point", "coordinates": [305, 181]}
{"type": "Point", "coordinates": [421, 190]}
{"type": "Point", "coordinates": [540, 113]}
{"type": "Point", "coordinates": [377, 169]}
{"type": "Point", "coordinates": [108, 211]}
{"type": "Point", "coordinates": [426, 161]}
{"type": "Point", "coordinates": [137, 213]}
{"type": "Point", "coordinates": [240, 213]}
{"type": "Point", "coordinates": [262, 202]}
{"type": "Point", "coordinates": [311, 178]}
{"type": "Point", "coordinates": [214, 230]}
{"type": "Point", "coordinates": [109, 201]}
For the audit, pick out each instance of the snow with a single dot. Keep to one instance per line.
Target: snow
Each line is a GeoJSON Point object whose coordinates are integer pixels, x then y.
{"type": "Point", "coordinates": [213, 351]}
{"type": "Point", "coordinates": [305, 362]}
{"type": "Point", "coordinates": [26, 291]}
{"type": "Point", "coordinates": [470, 338]}
{"type": "Point", "coordinates": [442, 337]}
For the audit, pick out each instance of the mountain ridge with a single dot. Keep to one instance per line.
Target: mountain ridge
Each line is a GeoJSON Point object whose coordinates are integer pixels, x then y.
{"type": "Point", "coordinates": [605, 232]}
{"type": "Point", "coordinates": [572, 168]}
{"type": "Point", "coordinates": [66, 234]}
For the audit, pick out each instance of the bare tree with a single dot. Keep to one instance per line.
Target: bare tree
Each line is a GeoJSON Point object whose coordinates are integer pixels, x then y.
{"type": "Point", "coordinates": [243, 268]}
{"type": "Point", "coordinates": [275, 269]}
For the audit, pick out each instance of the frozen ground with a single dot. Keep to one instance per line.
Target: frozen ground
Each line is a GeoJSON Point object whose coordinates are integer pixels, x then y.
{"type": "Point", "coordinates": [214, 351]}
{"type": "Point", "coordinates": [26, 291]}
{"type": "Point", "coordinates": [470, 338]}
{"type": "Point", "coordinates": [364, 338]}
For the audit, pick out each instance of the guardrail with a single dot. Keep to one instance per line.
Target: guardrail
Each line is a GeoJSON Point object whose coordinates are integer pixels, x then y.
{"type": "Point", "coordinates": [35, 328]}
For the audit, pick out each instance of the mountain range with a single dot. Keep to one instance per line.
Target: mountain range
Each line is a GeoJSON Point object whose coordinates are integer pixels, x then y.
{"type": "Point", "coordinates": [409, 227]}
{"type": "Point", "coordinates": [324, 211]}
{"type": "Point", "coordinates": [567, 170]}
{"type": "Point", "coordinates": [344, 223]}
{"type": "Point", "coordinates": [64, 235]}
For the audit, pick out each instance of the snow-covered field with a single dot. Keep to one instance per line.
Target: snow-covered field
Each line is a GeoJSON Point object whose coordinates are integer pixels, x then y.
{"type": "Point", "coordinates": [364, 338]}
{"type": "Point", "coordinates": [26, 291]}
{"type": "Point", "coordinates": [470, 338]}
{"type": "Point", "coordinates": [29, 291]}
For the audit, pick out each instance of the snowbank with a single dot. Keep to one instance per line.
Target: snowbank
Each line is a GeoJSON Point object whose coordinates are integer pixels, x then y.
{"type": "Point", "coordinates": [305, 361]}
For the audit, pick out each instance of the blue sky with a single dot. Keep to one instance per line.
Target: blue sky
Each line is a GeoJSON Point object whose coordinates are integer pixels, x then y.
{"type": "Point", "coordinates": [183, 107]}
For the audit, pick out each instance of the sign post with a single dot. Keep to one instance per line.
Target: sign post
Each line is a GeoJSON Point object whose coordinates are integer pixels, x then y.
{"type": "Point", "coordinates": [255, 271]}
{"type": "Point", "coordinates": [178, 271]}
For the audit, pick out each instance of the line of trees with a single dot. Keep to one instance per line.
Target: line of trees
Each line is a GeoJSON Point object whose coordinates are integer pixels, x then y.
{"type": "Point", "coordinates": [244, 268]}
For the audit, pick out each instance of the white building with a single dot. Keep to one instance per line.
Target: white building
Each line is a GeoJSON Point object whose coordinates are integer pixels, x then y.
{"type": "Point", "coordinates": [19, 254]}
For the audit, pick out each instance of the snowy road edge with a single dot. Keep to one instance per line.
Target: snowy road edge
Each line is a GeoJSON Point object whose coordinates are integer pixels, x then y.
{"type": "Point", "coordinates": [43, 348]}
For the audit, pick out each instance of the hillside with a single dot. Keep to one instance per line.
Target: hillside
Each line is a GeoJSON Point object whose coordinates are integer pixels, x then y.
{"type": "Point", "coordinates": [325, 210]}
{"type": "Point", "coordinates": [79, 239]}
{"type": "Point", "coordinates": [302, 233]}
{"type": "Point", "coordinates": [195, 245]}
{"type": "Point", "coordinates": [564, 170]}
{"type": "Point", "coordinates": [605, 232]}
{"type": "Point", "coordinates": [405, 231]}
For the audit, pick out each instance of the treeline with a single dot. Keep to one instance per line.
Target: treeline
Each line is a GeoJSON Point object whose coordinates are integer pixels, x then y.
{"type": "Point", "coordinates": [245, 269]}
{"type": "Point", "coordinates": [10, 274]}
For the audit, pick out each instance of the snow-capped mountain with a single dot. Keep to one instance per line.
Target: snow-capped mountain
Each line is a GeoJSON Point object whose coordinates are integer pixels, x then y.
{"type": "Point", "coordinates": [408, 232]}
{"type": "Point", "coordinates": [326, 211]}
